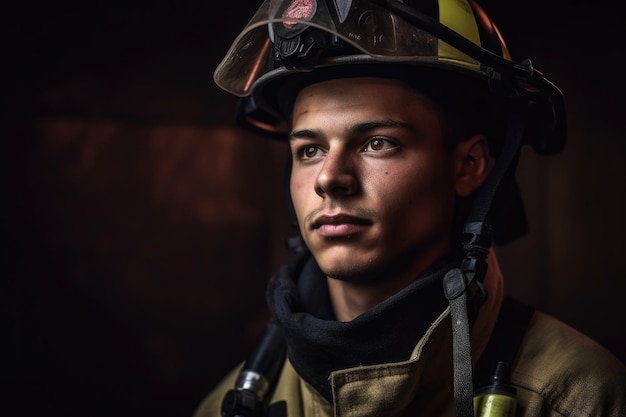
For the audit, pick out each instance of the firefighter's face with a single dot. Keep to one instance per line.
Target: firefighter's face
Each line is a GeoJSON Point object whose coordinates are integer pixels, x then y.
{"type": "Point", "coordinates": [372, 184]}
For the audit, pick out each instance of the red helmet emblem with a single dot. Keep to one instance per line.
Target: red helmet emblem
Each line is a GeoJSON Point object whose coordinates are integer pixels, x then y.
{"type": "Point", "coordinates": [298, 10]}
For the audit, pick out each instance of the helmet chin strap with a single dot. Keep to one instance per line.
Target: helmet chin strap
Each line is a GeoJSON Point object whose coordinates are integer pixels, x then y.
{"type": "Point", "coordinates": [463, 298]}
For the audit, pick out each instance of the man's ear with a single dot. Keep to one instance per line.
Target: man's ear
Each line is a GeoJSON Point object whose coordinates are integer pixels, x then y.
{"type": "Point", "coordinates": [472, 164]}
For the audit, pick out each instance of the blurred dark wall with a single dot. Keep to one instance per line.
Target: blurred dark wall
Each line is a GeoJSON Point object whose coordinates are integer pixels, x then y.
{"type": "Point", "coordinates": [140, 226]}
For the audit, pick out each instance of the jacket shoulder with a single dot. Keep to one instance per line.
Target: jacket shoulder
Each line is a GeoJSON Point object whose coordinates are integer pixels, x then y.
{"type": "Point", "coordinates": [564, 371]}
{"type": "Point", "coordinates": [211, 405]}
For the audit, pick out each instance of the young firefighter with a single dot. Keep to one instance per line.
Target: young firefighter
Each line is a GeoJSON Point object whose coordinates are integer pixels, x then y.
{"type": "Point", "coordinates": [405, 121]}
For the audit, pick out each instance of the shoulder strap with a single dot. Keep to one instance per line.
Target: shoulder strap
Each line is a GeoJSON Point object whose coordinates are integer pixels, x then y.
{"type": "Point", "coordinates": [505, 339]}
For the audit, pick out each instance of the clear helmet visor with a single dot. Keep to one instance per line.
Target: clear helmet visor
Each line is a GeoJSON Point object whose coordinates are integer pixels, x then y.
{"type": "Point", "coordinates": [282, 28]}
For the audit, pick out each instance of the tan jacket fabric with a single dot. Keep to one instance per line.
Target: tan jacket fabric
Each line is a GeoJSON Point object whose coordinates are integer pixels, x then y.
{"type": "Point", "coordinates": [558, 372]}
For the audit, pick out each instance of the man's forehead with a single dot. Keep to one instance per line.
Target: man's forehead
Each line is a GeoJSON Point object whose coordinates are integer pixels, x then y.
{"type": "Point", "coordinates": [349, 87]}
{"type": "Point", "coordinates": [381, 94]}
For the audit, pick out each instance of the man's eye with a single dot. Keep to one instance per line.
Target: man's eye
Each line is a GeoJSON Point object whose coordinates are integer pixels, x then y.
{"type": "Point", "coordinates": [378, 144]}
{"type": "Point", "coordinates": [307, 152]}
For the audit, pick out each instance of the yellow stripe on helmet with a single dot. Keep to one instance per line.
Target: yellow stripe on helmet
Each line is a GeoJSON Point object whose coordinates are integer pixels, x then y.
{"type": "Point", "coordinates": [458, 16]}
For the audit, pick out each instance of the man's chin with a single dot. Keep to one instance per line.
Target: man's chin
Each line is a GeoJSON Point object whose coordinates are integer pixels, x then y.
{"type": "Point", "coordinates": [349, 271]}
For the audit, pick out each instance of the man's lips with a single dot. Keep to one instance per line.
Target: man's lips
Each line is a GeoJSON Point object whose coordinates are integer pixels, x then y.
{"type": "Point", "coordinates": [339, 225]}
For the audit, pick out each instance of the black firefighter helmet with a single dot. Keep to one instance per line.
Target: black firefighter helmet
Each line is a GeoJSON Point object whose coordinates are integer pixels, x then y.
{"type": "Point", "coordinates": [311, 40]}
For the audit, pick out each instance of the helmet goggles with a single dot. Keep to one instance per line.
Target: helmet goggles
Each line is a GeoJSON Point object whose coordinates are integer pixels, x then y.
{"type": "Point", "coordinates": [282, 33]}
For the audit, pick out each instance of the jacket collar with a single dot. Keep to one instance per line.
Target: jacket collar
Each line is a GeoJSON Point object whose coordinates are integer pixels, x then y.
{"type": "Point", "coordinates": [317, 343]}
{"type": "Point", "coordinates": [422, 384]}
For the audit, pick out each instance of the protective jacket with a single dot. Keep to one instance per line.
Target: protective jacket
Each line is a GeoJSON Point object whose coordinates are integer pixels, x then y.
{"type": "Point", "coordinates": [557, 371]}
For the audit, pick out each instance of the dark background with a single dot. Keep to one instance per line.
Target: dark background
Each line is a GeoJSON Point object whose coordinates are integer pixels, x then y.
{"type": "Point", "coordinates": [140, 226]}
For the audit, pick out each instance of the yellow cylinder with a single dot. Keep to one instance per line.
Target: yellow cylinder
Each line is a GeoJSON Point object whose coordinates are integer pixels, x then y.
{"type": "Point", "coordinates": [495, 405]}
{"type": "Point", "coordinates": [497, 399]}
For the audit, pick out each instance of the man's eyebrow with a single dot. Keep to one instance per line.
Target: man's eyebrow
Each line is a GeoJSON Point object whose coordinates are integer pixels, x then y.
{"type": "Point", "coordinates": [356, 128]}
{"type": "Point", "coordinates": [305, 134]}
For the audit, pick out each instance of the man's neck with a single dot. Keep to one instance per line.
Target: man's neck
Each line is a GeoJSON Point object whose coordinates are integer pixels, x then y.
{"type": "Point", "coordinates": [350, 299]}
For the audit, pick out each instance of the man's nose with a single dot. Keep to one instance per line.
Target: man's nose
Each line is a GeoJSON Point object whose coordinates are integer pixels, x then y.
{"type": "Point", "coordinates": [338, 174]}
